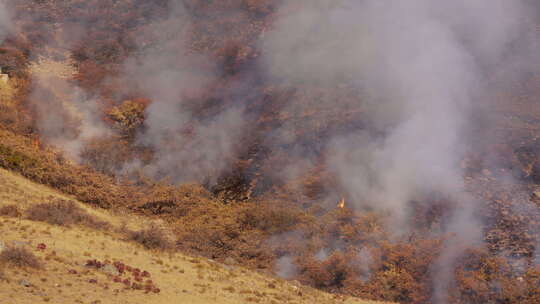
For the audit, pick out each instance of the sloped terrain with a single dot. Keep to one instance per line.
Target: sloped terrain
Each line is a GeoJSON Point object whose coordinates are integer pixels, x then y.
{"type": "Point", "coordinates": [275, 135]}
{"type": "Point", "coordinates": [67, 276]}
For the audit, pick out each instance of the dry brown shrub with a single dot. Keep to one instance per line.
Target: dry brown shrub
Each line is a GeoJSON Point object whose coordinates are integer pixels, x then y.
{"type": "Point", "coordinates": [12, 115]}
{"type": "Point", "coordinates": [63, 213]}
{"type": "Point", "coordinates": [152, 237]}
{"type": "Point", "coordinates": [128, 117]}
{"type": "Point", "coordinates": [19, 257]}
{"type": "Point", "coordinates": [106, 155]}
{"type": "Point", "coordinates": [46, 166]}
{"type": "Point", "coordinates": [330, 273]}
{"type": "Point", "coordinates": [10, 210]}
{"type": "Point", "coordinates": [481, 278]}
{"type": "Point", "coordinates": [270, 218]}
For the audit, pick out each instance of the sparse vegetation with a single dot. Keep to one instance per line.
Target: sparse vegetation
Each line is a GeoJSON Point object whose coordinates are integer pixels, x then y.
{"type": "Point", "coordinates": [152, 237]}
{"type": "Point", "coordinates": [270, 218]}
{"type": "Point", "coordinates": [19, 257]}
{"type": "Point", "coordinates": [63, 213]}
{"type": "Point", "coordinates": [10, 210]}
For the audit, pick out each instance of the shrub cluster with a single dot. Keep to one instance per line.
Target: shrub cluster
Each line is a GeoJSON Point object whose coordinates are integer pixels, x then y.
{"type": "Point", "coordinates": [19, 257]}
{"type": "Point", "coordinates": [152, 237]}
{"type": "Point", "coordinates": [63, 213]}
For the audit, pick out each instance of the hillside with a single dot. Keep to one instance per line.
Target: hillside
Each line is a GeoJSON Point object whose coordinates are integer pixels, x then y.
{"type": "Point", "coordinates": [366, 149]}
{"type": "Point", "coordinates": [64, 277]}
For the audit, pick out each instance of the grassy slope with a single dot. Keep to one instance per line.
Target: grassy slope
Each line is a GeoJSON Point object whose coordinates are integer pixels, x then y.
{"type": "Point", "coordinates": [181, 278]}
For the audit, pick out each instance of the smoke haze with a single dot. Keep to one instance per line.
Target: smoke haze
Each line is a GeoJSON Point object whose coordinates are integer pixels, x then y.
{"type": "Point", "coordinates": [421, 67]}
{"type": "Point", "coordinates": [66, 116]}
{"type": "Point", "coordinates": [411, 75]}
{"type": "Point", "coordinates": [187, 148]}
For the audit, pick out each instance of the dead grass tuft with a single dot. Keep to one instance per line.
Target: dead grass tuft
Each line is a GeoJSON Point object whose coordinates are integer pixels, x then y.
{"type": "Point", "coordinates": [152, 237]}
{"type": "Point", "coordinates": [19, 257]}
{"type": "Point", "coordinates": [10, 210]}
{"type": "Point", "coordinates": [270, 218]}
{"type": "Point", "coordinates": [63, 213]}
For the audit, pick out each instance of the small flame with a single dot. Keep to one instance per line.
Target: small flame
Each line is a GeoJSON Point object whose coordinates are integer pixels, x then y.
{"type": "Point", "coordinates": [341, 203]}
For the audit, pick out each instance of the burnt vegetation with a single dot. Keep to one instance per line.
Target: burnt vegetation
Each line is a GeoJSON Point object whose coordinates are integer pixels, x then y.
{"type": "Point", "coordinates": [251, 215]}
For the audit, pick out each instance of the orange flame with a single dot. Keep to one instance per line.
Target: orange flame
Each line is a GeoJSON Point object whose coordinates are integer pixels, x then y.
{"type": "Point", "coordinates": [341, 203]}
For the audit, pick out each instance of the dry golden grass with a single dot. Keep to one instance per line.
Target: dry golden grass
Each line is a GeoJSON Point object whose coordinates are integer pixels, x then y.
{"type": "Point", "coordinates": [7, 91]}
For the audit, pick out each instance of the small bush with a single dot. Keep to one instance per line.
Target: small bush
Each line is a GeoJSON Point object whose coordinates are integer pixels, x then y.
{"type": "Point", "coordinates": [152, 237]}
{"type": "Point", "coordinates": [63, 213]}
{"type": "Point", "coordinates": [128, 117]}
{"type": "Point", "coordinates": [10, 210]}
{"type": "Point", "coordinates": [330, 273]}
{"type": "Point", "coordinates": [107, 155]}
{"type": "Point", "coordinates": [270, 218]}
{"type": "Point", "coordinates": [19, 257]}
{"type": "Point", "coordinates": [14, 160]}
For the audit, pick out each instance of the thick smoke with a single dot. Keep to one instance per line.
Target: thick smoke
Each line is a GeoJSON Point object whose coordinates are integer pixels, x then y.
{"type": "Point", "coordinates": [421, 66]}
{"type": "Point", "coordinates": [66, 116]}
{"type": "Point", "coordinates": [187, 146]}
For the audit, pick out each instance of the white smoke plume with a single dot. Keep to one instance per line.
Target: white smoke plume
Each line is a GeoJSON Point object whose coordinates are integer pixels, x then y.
{"type": "Point", "coordinates": [421, 66]}
{"type": "Point", "coordinates": [66, 117]}
{"type": "Point", "coordinates": [187, 147]}
{"type": "Point", "coordinates": [363, 262]}
{"type": "Point", "coordinates": [285, 267]}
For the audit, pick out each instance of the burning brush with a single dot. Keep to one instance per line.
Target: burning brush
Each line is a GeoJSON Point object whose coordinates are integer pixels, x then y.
{"type": "Point", "coordinates": [341, 203]}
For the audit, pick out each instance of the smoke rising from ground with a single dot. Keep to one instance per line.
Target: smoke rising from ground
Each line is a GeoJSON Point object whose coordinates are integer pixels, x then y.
{"type": "Point", "coordinates": [187, 147]}
{"type": "Point", "coordinates": [418, 70]}
{"type": "Point", "coordinates": [421, 66]}
{"type": "Point", "coordinates": [66, 116]}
